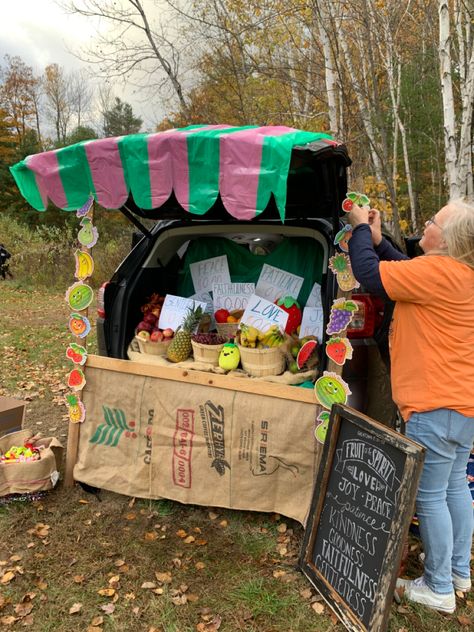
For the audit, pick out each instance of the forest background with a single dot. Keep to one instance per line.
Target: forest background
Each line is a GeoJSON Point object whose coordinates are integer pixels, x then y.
{"type": "Point", "coordinates": [392, 79]}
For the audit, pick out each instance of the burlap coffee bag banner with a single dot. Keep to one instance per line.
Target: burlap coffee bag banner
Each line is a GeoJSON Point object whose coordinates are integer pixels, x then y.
{"type": "Point", "coordinates": [158, 438]}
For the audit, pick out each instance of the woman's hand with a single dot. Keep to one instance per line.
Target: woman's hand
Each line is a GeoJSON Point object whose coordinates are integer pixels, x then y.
{"type": "Point", "coordinates": [358, 215]}
{"type": "Point", "coordinates": [375, 223]}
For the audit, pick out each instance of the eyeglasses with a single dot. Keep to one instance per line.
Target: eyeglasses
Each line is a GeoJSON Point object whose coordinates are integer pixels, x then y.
{"type": "Point", "coordinates": [432, 221]}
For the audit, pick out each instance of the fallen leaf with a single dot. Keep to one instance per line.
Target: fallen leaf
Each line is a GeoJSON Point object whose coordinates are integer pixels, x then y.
{"type": "Point", "coordinates": [7, 577]}
{"type": "Point", "coordinates": [150, 536]}
{"type": "Point", "coordinates": [130, 516]}
{"type": "Point", "coordinates": [201, 542]}
{"type": "Point", "coordinates": [93, 628]}
{"type": "Point", "coordinates": [106, 592]}
{"type": "Point", "coordinates": [96, 621]}
{"type": "Point", "coordinates": [460, 594]}
{"type": "Point", "coordinates": [306, 593]}
{"type": "Point", "coordinates": [78, 579]}
{"type": "Point", "coordinates": [82, 501]}
{"type": "Point", "coordinates": [192, 597]}
{"type": "Point", "coordinates": [199, 566]}
{"type": "Point", "coordinates": [23, 609]}
{"type": "Point", "coordinates": [190, 539]}
{"type": "Point", "coordinates": [75, 608]}
{"type": "Point", "coordinates": [181, 533]}
{"type": "Point", "coordinates": [108, 608]}
{"type": "Point", "coordinates": [119, 563]}
{"type": "Point", "coordinates": [282, 528]}
{"type": "Point", "coordinates": [164, 578]}
{"type": "Point", "coordinates": [210, 626]}
{"type": "Point", "coordinates": [212, 515]}
{"type": "Point", "coordinates": [278, 574]}
{"type": "Point", "coordinates": [27, 621]}
{"type": "Point", "coordinates": [463, 620]}
{"type": "Point", "coordinates": [16, 558]}
{"type": "Point", "coordinates": [158, 591]}
{"type": "Point", "coordinates": [179, 600]}
{"type": "Point", "coordinates": [403, 610]}
{"type": "Point", "coordinates": [223, 523]}
{"type": "Point", "coordinates": [318, 607]}
{"type": "Point", "coordinates": [8, 620]}
{"type": "Point", "coordinates": [115, 579]}
{"type": "Point", "coordinates": [41, 584]}
{"type": "Point", "coordinates": [136, 611]}
{"type": "Point", "coordinates": [148, 585]}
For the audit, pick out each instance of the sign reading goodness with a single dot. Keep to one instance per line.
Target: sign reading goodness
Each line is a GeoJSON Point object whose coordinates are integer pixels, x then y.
{"type": "Point", "coordinates": [359, 517]}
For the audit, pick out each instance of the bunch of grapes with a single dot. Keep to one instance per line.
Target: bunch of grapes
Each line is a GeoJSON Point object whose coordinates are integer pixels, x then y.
{"type": "Point", "coordinates": [342, 312]}
{"type": "Point", "coordinates": [209, 339]}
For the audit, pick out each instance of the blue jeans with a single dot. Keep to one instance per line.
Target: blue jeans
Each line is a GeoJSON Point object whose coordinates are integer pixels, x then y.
{"type": "Point", "coordinates": [444, 502]}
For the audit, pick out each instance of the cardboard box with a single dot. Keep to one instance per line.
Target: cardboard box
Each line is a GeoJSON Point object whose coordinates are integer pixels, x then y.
{"type": "Point", "coordinates": [12, 414]}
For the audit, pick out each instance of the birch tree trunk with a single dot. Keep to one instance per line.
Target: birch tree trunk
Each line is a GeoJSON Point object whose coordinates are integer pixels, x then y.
{"type": "Point", "coordinates": [323, 21]}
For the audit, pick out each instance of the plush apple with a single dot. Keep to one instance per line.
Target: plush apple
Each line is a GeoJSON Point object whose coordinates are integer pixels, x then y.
{"type": "Point", "coordinates": [156, 335]}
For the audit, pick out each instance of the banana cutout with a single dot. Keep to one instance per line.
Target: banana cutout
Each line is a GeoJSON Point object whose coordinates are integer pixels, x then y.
{"type": "Point", "coordinates": [84, 265]}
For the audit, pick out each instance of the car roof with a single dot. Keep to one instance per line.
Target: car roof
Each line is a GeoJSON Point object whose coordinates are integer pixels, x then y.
{"type": "Point", "coordinates": [240, 172]}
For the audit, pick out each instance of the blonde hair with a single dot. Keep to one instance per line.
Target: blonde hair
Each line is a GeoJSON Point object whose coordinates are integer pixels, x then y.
{"type": "Point", "coordinates": [458, 232]}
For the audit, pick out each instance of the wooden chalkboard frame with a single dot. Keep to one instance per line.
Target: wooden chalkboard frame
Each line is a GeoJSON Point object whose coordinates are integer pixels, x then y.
{"type": "Point", "coordinates": [398, 528]}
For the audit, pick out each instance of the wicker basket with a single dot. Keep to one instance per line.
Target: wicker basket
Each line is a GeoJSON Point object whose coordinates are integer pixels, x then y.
{"type": "Point", "coordinates": [227, 329]}
{"type": "Point", "coordinates": [208, 354]}
{"type": "Point", "coordinates": [262, 362]}
{"type": "Point", "coordinates": [153, 348]}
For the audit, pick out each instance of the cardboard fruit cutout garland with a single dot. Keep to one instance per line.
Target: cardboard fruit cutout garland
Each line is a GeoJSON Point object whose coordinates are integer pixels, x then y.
{"type": "Point", "coordinates": [88, 235]}
{"type": "Point", "coordinates": [340, 265]}
{"type": "Point", "coordinates": [84, 265]}
{"type": "Point", "coordinates": [76, 380]}
{"type": "Point", "coordinates": [341, 315]}
{"type": "Point", "coordinates": [331, 389]}
{"type": "Point", "coordinates": [79, 296]}
{"type": "Point", "coordinates": [321, 429]}
{"type": "Point", "coordinates": [354, 198]}
{"type": "Point", "coordinates": [76, 353]}
{"type": "Point", "coordinates": [79, 325]}
{"type": "Point", "coordinates": [76, 409]}
{"type": "Point", "coordinates": [339, 349]}
{"type": "Point", "coordinates": [342, 238]}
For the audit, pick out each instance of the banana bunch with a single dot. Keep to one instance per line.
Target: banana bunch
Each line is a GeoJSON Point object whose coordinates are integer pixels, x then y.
{"type": "Point", "coordinates": [273, 337]}
{"type": "Point", "coordinates": [249, 336]}
{"type": "Point", "coordinates": [255, 339]}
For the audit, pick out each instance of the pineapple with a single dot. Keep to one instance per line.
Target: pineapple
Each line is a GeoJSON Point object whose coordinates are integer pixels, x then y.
{"type": "Point", "coordinates": [180, 347]}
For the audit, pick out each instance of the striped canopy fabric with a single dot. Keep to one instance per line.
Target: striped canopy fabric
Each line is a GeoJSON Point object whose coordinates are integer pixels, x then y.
{"type": "Point", "coordinates": [245, 165]}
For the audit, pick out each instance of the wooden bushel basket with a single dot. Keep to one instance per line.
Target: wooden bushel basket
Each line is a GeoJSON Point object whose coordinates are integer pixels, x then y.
{"type": "Point", "coordinates": [153, 348]}
{"type": "Point", "coordinates": [262, 362]}
{"type": "Point", "coordinates": [208, 354]}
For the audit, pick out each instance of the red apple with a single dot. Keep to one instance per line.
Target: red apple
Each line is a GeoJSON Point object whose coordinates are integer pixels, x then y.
{"type": "Point", "coordinates": [156, 335]}
{"type": "Point", "coordinates": [168, 333]}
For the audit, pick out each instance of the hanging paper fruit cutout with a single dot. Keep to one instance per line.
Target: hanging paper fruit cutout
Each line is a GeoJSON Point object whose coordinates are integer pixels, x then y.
{"type": "Point", "coordinates": [79, 325]}
{"type": "Point", "coordinates": [88, 235]}
{"type": "Point", "coordinates": [354, 198]}
{"type": "Point", "coordinates": [76, 353]}
{"type": "Point", "coordinates": [307, 357]}
{"type": "Point", "coordinates": [84, 265]}
{"type": "Point", "coordinates": [331, 389]}
{"type": "Point", "coordinates": [79, 296]}
{"type": "Point", "coordinates": [340, 265]}
{"type": "Point", "coordinates": [76, 409]}
{"type": "Point", "coordinates": [342, 313]}
{"type": "Point", "coordinates": [291, 306]}
{"type": "Point", "coordinates": [339, 349]}
{"type": "Point", "coordinates": [76, 379]}
{"type": "Point", "coordinates": [342, 238]}
{"type": "Point", "coordinates": [81, 212]}
{"type": "Point", "coordinates": [321, 429]}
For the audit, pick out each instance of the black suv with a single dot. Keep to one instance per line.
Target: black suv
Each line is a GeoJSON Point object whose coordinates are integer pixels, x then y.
{"type": "Point", "coordinates": [159, 262]}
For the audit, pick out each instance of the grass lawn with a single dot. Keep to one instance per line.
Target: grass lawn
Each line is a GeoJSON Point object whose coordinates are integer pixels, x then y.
{"type": "Point", "coordinates": [76, 561]}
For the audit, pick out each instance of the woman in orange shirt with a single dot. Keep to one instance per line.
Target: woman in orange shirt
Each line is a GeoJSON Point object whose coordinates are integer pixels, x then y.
{"type": "Point", "coordinates": [432, 374]}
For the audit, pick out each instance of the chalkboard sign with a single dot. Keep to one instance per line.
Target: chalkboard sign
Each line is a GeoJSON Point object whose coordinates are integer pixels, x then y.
{"type": "Point", "coordinates": [362, 506]}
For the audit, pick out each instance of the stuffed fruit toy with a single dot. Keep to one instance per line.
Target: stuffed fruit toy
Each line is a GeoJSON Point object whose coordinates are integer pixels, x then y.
{"type": "Point", "coordinates": [291, 306]}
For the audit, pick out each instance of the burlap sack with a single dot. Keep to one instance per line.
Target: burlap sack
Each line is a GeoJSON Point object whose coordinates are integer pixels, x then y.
{"type": "Point", "coordinates": [30, 476]}
{"type": "Point", "coordinates": [158, 438]}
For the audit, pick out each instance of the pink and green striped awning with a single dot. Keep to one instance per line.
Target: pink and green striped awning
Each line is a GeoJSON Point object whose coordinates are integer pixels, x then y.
{"type": "Point", "coordinates": [244, 164]}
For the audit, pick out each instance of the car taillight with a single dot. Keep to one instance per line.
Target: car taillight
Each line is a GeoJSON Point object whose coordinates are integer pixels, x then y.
{"type": "Point", "coordinates": [363, 322]}
{"type": "Point", "coordinates": [100, 300]}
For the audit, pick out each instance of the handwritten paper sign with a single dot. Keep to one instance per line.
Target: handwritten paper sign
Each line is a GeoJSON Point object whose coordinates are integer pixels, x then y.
{"type": "Point", "coordinates": [274, 283]}
{"type": "Point", "coordinates": [207, 272]}
{"type": "Point", "coordinates": [360, 513]}
{"type": "Point", "coordinates": [314, 298]}
{"type": "Point", "coordinates": [262, 314]}
{"type": "Point", "coordinates": [232, 295]}
{"type": "Point", "coordinates": [175, 310]}
{"type": "Point", "coordinates": [312, 323]}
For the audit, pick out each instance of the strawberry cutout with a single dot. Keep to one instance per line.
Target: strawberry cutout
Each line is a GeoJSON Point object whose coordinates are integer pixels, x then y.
{"type": "Point", "coordinates": [339, 350]}
{"type": "Point", "coordinates": [76, 380]}
{"type": "Point", "coordinates": [291, 306]}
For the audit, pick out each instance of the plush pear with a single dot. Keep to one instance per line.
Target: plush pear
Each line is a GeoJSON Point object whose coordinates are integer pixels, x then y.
{"type": "Point", "coordinates": [229, 357]}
